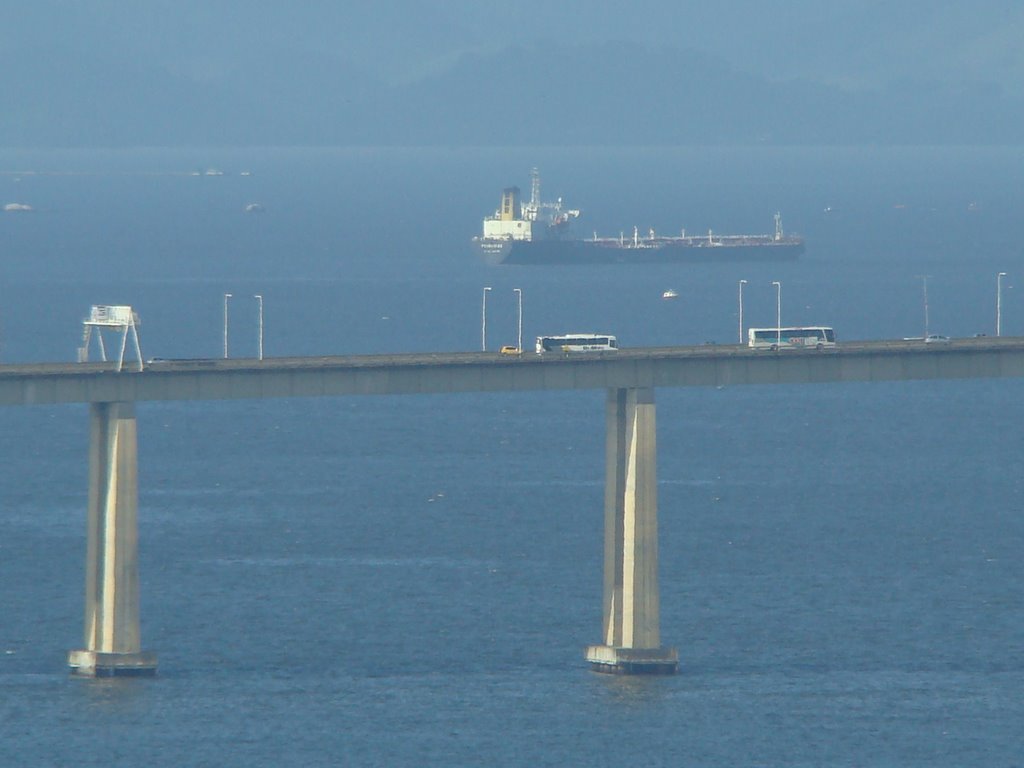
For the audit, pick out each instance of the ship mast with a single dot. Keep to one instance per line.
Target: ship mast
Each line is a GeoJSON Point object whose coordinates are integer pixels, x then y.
{"type": "Point", "coordinates": [531, 211]}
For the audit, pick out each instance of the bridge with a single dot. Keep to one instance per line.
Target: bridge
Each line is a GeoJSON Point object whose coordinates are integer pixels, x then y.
{"type": "Point", "coordinates": [631, 641]}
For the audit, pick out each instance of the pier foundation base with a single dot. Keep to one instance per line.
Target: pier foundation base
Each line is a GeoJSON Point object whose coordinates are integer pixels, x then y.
{"type": "Point", "coordinates": [633, 661]}
{"type": "Point", "coordinates": [98, 664]}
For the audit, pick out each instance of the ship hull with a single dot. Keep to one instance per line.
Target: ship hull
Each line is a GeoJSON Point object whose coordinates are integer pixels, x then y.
{"type": "Point", "coordinates": [668, 250]}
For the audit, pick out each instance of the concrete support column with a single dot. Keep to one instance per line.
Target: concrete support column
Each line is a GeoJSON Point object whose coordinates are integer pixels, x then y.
{"type": "Point", "coordinates": [632, 641]}
{"type": "Point", "coordinates": [112, 637]}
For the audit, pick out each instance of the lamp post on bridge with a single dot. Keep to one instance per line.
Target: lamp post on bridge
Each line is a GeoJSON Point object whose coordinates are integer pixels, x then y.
{"type": "Point", "coordinates": [519, 342]}
{"type": "Point", "coordinates": [259, 299]}
{"type": "Point", "coordinates": [999, 303]}
{"type": "Point", "coordinates": [924, 294]}
{"type": "Point", "coordinates": [778, 312]}
{"type": "Point", "coordinates": [483, 321]}
{"type": "Point", "coordinates": [226, 297]}
{"type": "Point", "coordinates": [742, 283]}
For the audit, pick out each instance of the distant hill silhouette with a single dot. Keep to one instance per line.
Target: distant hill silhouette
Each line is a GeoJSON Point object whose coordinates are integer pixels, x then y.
{"type": "Point", "coordinates": [610, 93]}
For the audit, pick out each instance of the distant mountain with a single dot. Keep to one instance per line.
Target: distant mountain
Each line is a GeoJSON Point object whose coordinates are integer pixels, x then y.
{"type": "Point", "coordinates": [624, 93]}
{"type": "Point", "coordinates": [552, 94]}
{"type": "Point", "coordinates": [89, 98]}
{"type": "Point", "coordinates": [617, 93]}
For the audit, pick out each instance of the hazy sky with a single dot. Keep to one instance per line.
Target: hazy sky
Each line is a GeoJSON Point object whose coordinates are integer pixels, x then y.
{"type": "Point", "coordinates": [855, 42]}
{"type": "Point", "coordinates": [176, 72]}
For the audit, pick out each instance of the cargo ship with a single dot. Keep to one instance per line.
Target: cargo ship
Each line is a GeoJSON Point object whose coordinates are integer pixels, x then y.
{"type": "Point", "coordinates": [535, 232]}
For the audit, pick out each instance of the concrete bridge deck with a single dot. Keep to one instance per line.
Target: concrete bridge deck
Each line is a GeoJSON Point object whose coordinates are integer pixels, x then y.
{"type": "Point", "coordinates": [708, 365]}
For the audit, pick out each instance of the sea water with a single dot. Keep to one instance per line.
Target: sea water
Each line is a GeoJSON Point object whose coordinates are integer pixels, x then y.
{"type": "Point", "coordinates": [412, 580]}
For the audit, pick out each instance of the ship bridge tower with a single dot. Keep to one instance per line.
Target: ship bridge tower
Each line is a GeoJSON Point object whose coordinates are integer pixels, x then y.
{"type": "Point", "coordinates": [510, 210]}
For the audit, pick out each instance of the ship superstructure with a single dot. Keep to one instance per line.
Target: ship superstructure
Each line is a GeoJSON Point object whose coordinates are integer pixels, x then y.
{"type": "Point", "coordinates": [527, 222]}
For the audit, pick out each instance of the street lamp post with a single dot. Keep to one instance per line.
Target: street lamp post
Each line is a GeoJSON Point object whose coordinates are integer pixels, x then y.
{"type": "Point", "coordinates": [924, 294]}
{"type": "Point", "coordinates": [742, 283]}
{"type": "Point", "coordinates": [519, 341]}
{"type": "Point", "coordinates": [259, 299]}
{"type": "Point", "coordinates": [778, 312]}
{"type": "Point", "coordinates": [226, 297]}
{"type": "Point", "coordinates": [999, 303]}
{"type": "Point", "coordinates": [483, 321]}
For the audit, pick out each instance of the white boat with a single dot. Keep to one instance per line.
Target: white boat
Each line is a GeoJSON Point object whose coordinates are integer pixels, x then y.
{"type": "Point", "coordinates": [670, 294]}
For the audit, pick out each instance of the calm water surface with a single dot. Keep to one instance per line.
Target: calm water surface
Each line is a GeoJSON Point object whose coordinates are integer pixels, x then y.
{"type": "Point", "coordinates": [412, 580]}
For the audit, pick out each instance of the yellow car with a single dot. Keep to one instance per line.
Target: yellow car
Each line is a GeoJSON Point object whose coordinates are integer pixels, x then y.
{"type": "Point", "coordinates": [509, 350]}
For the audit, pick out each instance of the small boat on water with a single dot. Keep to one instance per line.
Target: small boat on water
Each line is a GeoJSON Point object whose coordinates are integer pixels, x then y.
{"type": "Point", "coordinates": [670, 294]}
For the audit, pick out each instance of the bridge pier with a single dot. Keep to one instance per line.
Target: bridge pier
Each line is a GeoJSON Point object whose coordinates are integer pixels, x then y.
{"type": "Point", "coordinates": [112, 637]}
{"type": "Point", "coordinates": [632, 641]}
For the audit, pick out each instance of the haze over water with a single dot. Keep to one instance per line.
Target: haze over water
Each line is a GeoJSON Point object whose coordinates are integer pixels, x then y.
{"type": "Point", "coordinates": [411, 580]}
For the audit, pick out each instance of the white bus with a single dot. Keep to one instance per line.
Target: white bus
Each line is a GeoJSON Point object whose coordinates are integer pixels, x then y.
{"type": "Point", "coordinates": [817, 337]}
{"type": "Point", "coordinates": [577, 342]}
